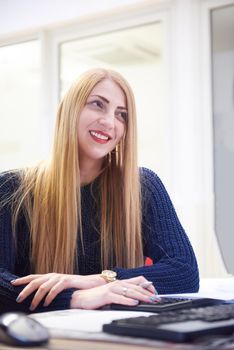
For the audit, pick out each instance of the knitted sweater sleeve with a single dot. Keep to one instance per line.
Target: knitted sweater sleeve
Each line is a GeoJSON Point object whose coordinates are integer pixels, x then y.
{"type": "Point", "coordinates": [12, 263]}
{"type": "Point", "coordinates": [174, 268]}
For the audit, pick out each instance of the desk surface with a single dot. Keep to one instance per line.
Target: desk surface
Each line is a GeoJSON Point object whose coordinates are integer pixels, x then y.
{"type": "Point", "coordinates": [67, 344]}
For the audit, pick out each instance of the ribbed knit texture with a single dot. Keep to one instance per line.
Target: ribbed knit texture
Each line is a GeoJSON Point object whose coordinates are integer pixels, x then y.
{"type": "Point", "coordinates": [174, 268]}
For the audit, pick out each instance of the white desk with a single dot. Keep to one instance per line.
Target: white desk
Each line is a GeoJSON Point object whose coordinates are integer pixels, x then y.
{"type": "Point", "coordinates": [220, 288]}
{"type": "Point", "coordinates": [68, 344]}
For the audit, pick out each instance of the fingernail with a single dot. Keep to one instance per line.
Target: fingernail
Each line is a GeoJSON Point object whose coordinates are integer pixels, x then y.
{"type": "Point", "coordinates": [135, 301]}
{"type": "Point", "coordinates": [31, 308]}
{"type": "Point", "coordinates": [154, 298]}
{"type": "Point", "coordinates": [18, 298]}
{"type": "Point", "coordinates": [156, 292]}
{"type": "Point", "coordinates": [45, 304]}
{"type": "Point", "coordinates": [13, 281]}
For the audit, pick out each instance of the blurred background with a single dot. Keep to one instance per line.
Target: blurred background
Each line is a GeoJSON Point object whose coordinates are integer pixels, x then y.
{"type": "Point", "coordinates": [178, 56]}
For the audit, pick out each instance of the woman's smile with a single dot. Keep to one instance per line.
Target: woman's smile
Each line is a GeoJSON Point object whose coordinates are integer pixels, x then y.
{"type": "Point", "coordinates": [100, 136]}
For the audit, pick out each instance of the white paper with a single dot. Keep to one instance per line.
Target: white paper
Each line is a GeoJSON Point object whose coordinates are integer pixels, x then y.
{"type": "Point", "coordinates": [216, 288]}
{"type": "Point", "coordinates": [83, 320]}
{"type": "Point", "coordinates": [87, 325]}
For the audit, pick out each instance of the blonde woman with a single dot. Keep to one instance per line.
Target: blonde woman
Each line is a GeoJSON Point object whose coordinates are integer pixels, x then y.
{"type": "Point", "coordinates": [75, 230]}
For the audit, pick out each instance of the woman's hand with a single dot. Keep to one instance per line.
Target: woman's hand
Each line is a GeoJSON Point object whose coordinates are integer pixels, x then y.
{"type": "Point", "coordinates": [51, 284]}
{"type": "Point", "coordinates": [125, 292]}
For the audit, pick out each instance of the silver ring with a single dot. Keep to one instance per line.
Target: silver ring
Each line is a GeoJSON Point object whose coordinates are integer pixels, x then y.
{"type": "Point", "coordinates": [125, 291]}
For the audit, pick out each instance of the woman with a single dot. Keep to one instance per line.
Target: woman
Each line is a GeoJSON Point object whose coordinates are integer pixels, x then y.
{"type": "Point", "coordinates": [89, 208]}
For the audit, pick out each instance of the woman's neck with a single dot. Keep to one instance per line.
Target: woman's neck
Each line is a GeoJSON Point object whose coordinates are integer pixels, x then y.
{"type": "Point", "coordinates": [89, 171]}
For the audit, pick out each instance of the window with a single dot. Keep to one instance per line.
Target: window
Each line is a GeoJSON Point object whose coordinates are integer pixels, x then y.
{"type": "Point", "coordinates": [20, 104]}
{"type": "Point", "coordinates": [137, 53]}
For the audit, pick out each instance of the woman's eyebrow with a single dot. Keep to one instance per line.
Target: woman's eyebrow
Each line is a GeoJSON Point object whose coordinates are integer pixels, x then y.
{"type": "Point", "coordinates": [107, 101]}
{"type": "Point", "coordinates": [101, 97]}
{"type": "Point", "coordinates": [122, 108]}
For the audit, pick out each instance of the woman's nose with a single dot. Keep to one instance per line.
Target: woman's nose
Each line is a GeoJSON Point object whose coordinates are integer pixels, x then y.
{"type": "Point", "coordinates": [107, 120]}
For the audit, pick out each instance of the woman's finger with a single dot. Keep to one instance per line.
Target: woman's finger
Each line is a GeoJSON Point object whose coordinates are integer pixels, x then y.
{"type": "Point", "coordinates": [120, 299]}
{"type": "Point", "coordinates": [143, 288]}
{"type": "Point", "coordinates": [139, 293]}
{"type": "Point", "coordinates": [42, 291]}
{"type": "Point", "coordinates": [51, 284]}
{"type": "Point", "coordinates": [24, 280]}
{"type": "Point", "coordinates": [142, 281]}
{"type": "Point", "coordinates": [72, 281]}
{"type": "Point", "coordinates": [149, 286]}
{"type": "Point", "coordinates": [30, 288]}
{"type": "Point", "coordinates": [132, 291]}
{"type": "Point", "coordinates": [138, 289]}
{"type": "Point", "coordinates": [54, 291]}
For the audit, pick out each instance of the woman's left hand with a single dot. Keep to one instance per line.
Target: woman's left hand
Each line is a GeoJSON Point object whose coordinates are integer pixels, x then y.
{"type": "Point", "coordinates": [51, 284]}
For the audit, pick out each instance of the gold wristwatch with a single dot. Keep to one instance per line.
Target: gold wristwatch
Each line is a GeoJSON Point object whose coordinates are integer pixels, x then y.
{"type": "Point", "coordinates": [109, 275]}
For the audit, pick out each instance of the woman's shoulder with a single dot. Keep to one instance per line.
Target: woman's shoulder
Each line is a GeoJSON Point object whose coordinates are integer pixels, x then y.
{"type": "Point", "coordinates": [152, 186]}
{"type": "Point", "coordinates": [153, 190]}
{"type": "Point", "coordinates": [149, 179]}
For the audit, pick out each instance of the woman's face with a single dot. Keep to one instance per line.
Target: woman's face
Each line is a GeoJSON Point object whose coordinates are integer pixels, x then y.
{"type": "Point", "coordinates": [102, 121]}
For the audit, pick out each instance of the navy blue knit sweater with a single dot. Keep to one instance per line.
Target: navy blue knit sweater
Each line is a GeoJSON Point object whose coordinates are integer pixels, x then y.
{"type": "Point", "coordinates": [174, 268]}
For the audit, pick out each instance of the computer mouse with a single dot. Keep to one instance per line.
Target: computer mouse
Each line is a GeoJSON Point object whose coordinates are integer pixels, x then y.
{"type": "Point", "coordinates": [22, 330]}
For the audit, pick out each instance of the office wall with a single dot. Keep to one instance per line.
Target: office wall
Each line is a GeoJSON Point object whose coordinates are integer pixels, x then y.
{"type": "Point", "coordinates": [24, 15]}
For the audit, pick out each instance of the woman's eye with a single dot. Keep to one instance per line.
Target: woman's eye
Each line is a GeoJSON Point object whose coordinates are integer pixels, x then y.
{"type": "Point", "coordinates": [97, 103]}
{"type": "Point", "coordinates": [122, 115]}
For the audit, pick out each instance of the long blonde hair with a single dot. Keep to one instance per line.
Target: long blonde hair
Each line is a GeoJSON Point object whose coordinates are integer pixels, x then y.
{"type": "Point", "coordinates": [50, 197]}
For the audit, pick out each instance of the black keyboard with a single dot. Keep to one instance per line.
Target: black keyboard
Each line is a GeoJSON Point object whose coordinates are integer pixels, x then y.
{"type": "Point", "coordinates": [168, 304]}
{"type": "Point", "coordinates": [179, 325]}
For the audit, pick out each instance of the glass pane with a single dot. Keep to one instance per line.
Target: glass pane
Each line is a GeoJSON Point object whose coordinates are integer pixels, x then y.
{"type": "Point", "coordinates": [137, 53]}
{"type": "Point", "coordinates": [19, 107]}
{"type": "Point", "coordinates": [222, 29]}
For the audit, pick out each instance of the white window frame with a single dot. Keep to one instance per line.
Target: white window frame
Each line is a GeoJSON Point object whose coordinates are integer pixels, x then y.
{"type": "Point", "coordinates": [212, 260]}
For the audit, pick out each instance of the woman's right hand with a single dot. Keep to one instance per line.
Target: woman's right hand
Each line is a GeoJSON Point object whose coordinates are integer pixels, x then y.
{"type": "Point", "coordinates": [126, 292]}
{"type": "Point", "coordinates": [49, 285]}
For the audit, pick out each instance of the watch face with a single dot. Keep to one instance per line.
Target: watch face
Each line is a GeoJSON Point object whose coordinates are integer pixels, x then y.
{"type": "Point", "coordinates": [109, 273]}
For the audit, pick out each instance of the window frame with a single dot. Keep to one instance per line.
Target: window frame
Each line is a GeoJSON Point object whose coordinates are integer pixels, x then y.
{"type": "Point", "coordinates": [211, 258]}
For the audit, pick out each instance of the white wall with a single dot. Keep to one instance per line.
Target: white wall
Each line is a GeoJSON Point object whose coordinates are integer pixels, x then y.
{"type": "Point", "coordinates": [25, 15]}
